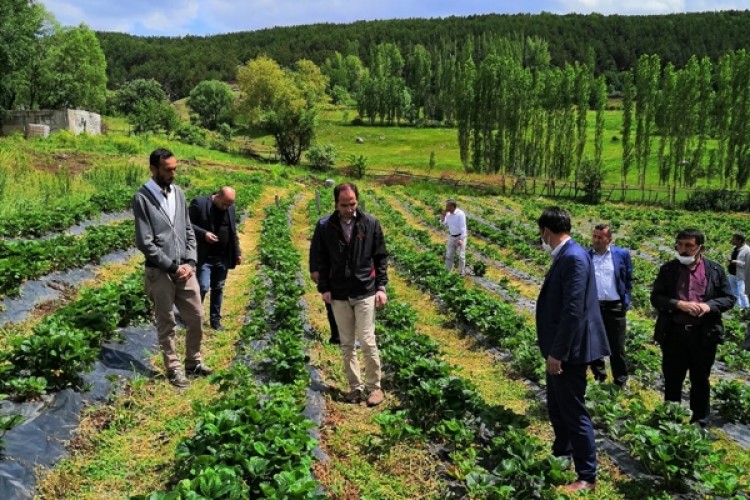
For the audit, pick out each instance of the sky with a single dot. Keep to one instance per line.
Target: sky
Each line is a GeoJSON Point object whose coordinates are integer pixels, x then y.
{"type": "Point", "coordinates": [211, 17]}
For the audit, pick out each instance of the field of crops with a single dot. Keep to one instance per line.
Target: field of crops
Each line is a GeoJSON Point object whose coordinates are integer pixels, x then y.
{"type": "Point", "coordinates": [464, 414]}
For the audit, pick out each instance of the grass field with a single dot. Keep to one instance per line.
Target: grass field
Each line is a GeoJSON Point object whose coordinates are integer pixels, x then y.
{"type": "Point", "coordinates": [403, 148]}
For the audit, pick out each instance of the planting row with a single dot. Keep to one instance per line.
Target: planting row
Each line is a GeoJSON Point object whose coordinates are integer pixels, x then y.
{"type": "Point", "coordinates": [64, 345]}
{"type": "Point", "coordinates": [253, 441]}
{"type": "Point", "coordinates": [63, 213]}
{"type": "Point", "coordinates": [23, 260]}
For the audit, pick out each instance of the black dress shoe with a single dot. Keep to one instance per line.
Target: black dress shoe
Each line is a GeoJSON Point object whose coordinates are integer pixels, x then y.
{"type": "Point", "coordinates": [334, 340]}
{"type": "Point", "coordinates": [217, 327]}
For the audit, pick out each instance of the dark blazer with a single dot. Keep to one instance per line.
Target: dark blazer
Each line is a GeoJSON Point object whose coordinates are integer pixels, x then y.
{"type": "Point", "coordinates": [719, 298]}
{"type": "Point", "coordinates": [568, 321]}
{"type": "Point", "coordinates": [201, 209]}
{"type": "Point", "coordinates": [623, 265]}
{"type": "Point", "coordinates": [314, 253]}
{"type": "Point", "coordinates": [355, 270]}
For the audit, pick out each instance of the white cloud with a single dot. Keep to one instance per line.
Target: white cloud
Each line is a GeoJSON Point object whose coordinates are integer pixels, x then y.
{"type": "Point", "coordinates": [646, 7]}
{"type": "Point", "coordinates": [200, 17]}
{"type": "Point", "coordinates": [162, 17]}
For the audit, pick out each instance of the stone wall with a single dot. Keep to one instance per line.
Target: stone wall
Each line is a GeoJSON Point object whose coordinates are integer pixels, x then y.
{"type": "Point", "coordinates": [73, 120]}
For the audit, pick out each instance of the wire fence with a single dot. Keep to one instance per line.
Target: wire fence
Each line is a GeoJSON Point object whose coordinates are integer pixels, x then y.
{"type": "Point", "coordinates": [667, 196]}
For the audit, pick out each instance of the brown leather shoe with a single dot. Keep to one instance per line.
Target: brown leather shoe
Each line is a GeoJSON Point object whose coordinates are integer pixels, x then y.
{"type": "Point", "coordinates": [579, 485]}
{"type": "Point", "coordinates": [376, 397]}
{"type": "Point", "coordinates": [199, 370]}
{"type": "Point", "coordinates": [353, 396]}
{"type": "Point", "coordinates": [177, 379]}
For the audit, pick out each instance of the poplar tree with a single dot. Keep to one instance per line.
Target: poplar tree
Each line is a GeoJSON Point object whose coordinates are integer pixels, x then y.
{"type": "Point", "coordinates": [646, 80]}
{"type": "Point", "coordinates": [627, 124]}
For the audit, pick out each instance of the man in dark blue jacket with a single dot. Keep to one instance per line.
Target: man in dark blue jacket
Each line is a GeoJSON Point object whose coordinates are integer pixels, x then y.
{"type": "Point", "coordinates": [690, 293]}
{"type": "Point", "coordinates": [571, 335]}
{"type": "Point", "coordinates": [215, 225]}
{"type": "Point", "coordinates": [614, 284]}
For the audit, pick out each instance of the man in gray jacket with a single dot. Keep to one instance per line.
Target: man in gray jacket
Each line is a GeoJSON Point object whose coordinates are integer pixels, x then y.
{"type": "Point", "coordinates": [164, 234]}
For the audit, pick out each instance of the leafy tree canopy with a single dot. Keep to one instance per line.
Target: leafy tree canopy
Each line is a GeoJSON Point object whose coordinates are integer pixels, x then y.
{"type": "Point", "coordinates": [73, 73]}
{"type": "Point", "coordinates": [283, 102]}
{"type": "Point", "coordinates": [211, 102]}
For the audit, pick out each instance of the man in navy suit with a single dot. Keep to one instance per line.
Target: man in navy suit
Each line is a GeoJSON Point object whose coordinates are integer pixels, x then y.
{"type": "Point", "coordinates": [571, 335]}
{"type": "Point", "coordinates": [613, 269]}
{"type": "Point", "coordinates": [215, 225]}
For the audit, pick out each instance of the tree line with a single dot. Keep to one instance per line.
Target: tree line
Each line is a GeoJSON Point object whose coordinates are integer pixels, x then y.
{"type": "Point", "coordinates": [518, 114]}
{"type": "Point", "coordinates": [616, 41]}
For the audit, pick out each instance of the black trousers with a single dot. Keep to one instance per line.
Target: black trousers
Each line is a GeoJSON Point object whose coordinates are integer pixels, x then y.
{"type": "Point", "coordinates": [613, 314]}
{"type": "Point", "coordinates": [332, 323]}
{"type": "Point", "coordinates": [692, 351]}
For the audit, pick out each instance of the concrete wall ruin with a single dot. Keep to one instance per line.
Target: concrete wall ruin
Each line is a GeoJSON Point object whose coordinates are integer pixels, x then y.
{"type": "Point", "coordinates": [74, 120]}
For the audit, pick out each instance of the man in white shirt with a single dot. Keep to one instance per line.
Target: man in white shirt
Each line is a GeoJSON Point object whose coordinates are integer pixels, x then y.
{"type": "Point", "coordinates": [455, 219]}
{"type": "Point", "coordinates": [736, 268]}
{"type": "Point", "coordinates": [613, 269]}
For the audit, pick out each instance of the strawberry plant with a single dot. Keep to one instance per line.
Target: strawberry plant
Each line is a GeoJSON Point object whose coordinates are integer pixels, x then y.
{"type": "Point", "coordinates": [66, 344]}
{"type": "Point", "coordinates": [733, 400]}
{"type": "Point", "coordinates": [23, 260]}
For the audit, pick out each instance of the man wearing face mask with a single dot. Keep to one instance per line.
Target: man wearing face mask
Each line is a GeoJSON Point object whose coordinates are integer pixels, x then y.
{"type": "Point", "coordinates": [690, 293]}
{"type": "Point", "coordinates": [571, 335]}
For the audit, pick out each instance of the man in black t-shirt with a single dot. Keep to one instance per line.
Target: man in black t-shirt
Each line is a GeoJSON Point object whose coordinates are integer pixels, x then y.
{"type": "Point", "coordinates": [215, 225]}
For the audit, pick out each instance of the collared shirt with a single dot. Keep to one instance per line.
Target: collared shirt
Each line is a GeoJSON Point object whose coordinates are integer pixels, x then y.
{"type": "Point", "coordinates": [558, 248]}
{"type": "Point", "coordinates": [348, 227]}
{"type": "Point", "coordinates": [691, 286]}
{"type": "Point", "coordinates": [456, 223]}
{"type": "Point", "coordinates": [166, 198]}
{"type": "Point", "coordinates": [604, 270]}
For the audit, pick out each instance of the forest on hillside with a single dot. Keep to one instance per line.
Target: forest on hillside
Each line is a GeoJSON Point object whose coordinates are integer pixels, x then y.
{"type": "Point", "coordinates": [616, 42]}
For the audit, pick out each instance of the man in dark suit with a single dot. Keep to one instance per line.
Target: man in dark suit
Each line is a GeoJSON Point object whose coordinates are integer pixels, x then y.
{"type": "Point", "coordinates": [215, 225]}
{"type": "Point", "coordinates": [571, 334]}
{"type": "Point", "coordinates": [690, 293]}
{"type": "Point", "coordinates": [613, 269]}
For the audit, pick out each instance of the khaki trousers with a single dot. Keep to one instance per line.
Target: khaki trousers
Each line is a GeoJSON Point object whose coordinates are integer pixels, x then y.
{"type": "Point", "coordinates": [185, 295]}
{"type": "Point", "coordinates": [356, 321]}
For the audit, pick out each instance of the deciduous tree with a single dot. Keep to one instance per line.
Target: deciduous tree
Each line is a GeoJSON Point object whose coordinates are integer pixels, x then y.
{"type": "Point", "coordinates": [284, 103]}
{"type": "Point", "coordinates": [211, 103]}
{"type": "Point", "coordinates": [74, 71]}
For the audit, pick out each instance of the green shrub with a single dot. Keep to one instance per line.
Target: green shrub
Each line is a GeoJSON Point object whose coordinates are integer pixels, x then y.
{"type": "Point", "coordinates": [322, 156]}
{"type": "Point", "coordinates": [191, 134]}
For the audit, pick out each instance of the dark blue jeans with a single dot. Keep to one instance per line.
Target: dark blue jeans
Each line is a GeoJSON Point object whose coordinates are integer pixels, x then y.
{"type": "Point", "coordinates": [212, 274]}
